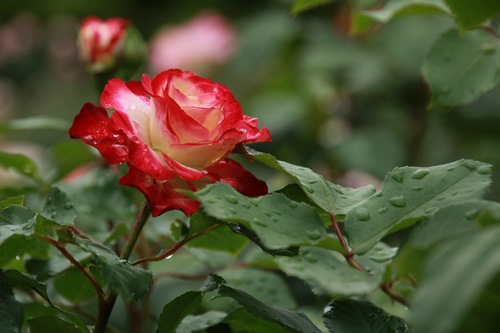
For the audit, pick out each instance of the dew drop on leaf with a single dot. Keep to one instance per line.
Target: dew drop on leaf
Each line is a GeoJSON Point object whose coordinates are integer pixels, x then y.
{"type": "Point", "coordinates": [471, 214]}
{"type": "Point", "coordinates": [313, 234]}
{"type": "Point", "coordinates": [246, 205]}
{"type": "Point", "coordinates": [420, 173]}
{"type": "Point", "coordinates": [469, 165]}
{"type": "Point", "coordinates": [362, 214]}
{"type": "Point", "coordinates": [382, 210]}
{"type": "Point", "coordinates": [398, 176]}
{"type": "Point", "coordinates": [68, 206]}
{"type": "Point", "coordinates": [484, 169]}
{"type": "Point", "coordinates": [417, 188]}
{"type": "Point", "coordinates": [232, 199]}
{"type": "Point", "coordinates": [308, 188]}
{"type": "Point", "coordinates": [259, 222]}
{"type": "Point", "coordinates": [398, 201]}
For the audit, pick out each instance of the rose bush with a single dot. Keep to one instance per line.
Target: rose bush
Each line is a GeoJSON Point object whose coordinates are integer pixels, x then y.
{"type": "Point", "coordinates": [101, 40]}
{"type": "Point", "coordinates": [174, 131]}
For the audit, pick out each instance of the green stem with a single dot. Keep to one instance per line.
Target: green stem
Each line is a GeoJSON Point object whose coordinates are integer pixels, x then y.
{"type": "Point", "coordinates": [107, 305]}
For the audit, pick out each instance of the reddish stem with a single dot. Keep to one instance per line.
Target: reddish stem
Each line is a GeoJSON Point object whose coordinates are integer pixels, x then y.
{"type": "Point", "coordinates": [349, 256]}
{"type": "Point", "coordinates": [167, 253]}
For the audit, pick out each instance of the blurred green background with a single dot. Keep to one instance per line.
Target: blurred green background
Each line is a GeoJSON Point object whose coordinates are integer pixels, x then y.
{"type": "Point", "coordinates": [350, 107]}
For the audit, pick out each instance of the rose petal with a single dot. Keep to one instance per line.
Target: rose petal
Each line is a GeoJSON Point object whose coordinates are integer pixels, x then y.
{"type": "Point", "coordinates": [231, 172]}
{"type": "Point", "coordinates": [161, 196]}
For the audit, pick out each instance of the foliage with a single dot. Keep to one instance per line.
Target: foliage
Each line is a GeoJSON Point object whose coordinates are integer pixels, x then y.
{"type": "Point", "coordinates": [416, 252]}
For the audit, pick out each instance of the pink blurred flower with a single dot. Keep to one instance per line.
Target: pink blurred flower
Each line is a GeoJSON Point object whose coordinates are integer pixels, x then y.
{"type": "Point", "coordinates": [204, 41]}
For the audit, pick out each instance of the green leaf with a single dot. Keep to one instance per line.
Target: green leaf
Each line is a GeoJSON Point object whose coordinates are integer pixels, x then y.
{"type": "Point", "coordinates": [453, 279]}
{"type": "Point", "coordinates": [351, 316]}
{"type": "Point", "coordinates": [302, 5]}
{"type": "Point", "coordinates": [266, 286]}
{"type": "Point", "coordinates": [220, 239]}
{"type": "Point", "coordinates": [327, 272]}
{"type": "Point", "coordinates": [128, 281]}
{"type": "Point", "coordinates": [51, 324]}
{"type": "Point", "coordinates": [20, 164]}
{"type": "Point", "coordinates": [277, 221]}
{"type": "Point", "coordinates": [241, 321]}
{"type": "Point", "coordinates": [293, 321]}
{"type": "Point", "coordinates": [409, 194]}
{"type": "Point", "coordinates": [58, 208]}
{"type": "Point", "coordinates": [471, 13]}
{"type": "Point", "coordinates": [65, 284]}
{"type": "Point", "coordinates": [192, 324]}
{"type": "Point", "coordinates": [177, 309]}
{"type": "Point", "coordinates": [17, 200]}
{"type": "Point", "coordinates": [11, 312]}
{"type": "Point", "coordinates": [332, 198]}
{"type": "Point", "coordinates": [398, 8]}
{"type": "Point", "coordinates": [35, 123]}
{"type": "Point", "coordinates": [462, 67]}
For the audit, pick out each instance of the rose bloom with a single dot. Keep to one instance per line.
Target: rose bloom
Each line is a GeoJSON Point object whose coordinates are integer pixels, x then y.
{"type": "Point", "coordinates": [205, 40]}
{"type": "Point", "coordinates": [101, 41]}
{"type": "Point", "coordinates": [174, 131]}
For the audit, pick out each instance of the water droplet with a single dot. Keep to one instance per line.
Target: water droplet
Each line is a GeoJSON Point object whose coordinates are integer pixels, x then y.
{"type": "Point", "coordinates": [417, 188]}
{"type": "Point", "coordinates": [309, 257]}
{"type": "Point", "coordinates": [275, 219]}
{"type": "Point", "coordinates": [380, 194]}
{"type": "Point", "coordinates": [253, 202]}
{"type": "Point", "coordinates": [441, 198]}
{"type": "Point", "coordinates": [259, 222]}
{"type": "Point", "coordinates": [233, 211]}
{"type": "Point", "coordinates": [68, 206]}
{"type": "Point", "coordinates": [382, 210]}
{"type": "Point", "coordinates": [420, 173]}
{"type": "Point", "coordinates": [246, 205]}
{"type": "Point", "coordinates": [398, 175]}
{"type": "Point", "coordinates": [312, 181]}
{"type": "Point", "coordinates": [484, 169]}
{"type": "Point", "coordinates": [313, 234]}
{"type": "Point", "coordinates": [277, 212]}
{"type": "Point", "coordinates": [450, 169]}
{"type": "Point", "coordinates": [362, 214]}
{"type": "Point", "coordinates": [430, 210]}
{"type": "Point", "coordinates": [308, 188]}
{"type": "Point", "coordinates": [232, 199]}
{"type": "Point", "coordinates": [338, 190]}
{"type": "Point", "coordinates": [293, 204]}
{"type": "Point", "coordinates": [120, 150]}
{"type": "Point", "coordinates": [488, 48]}
{"type": "Point", "coordinates": [469, 165]}
{"type": "Point", "coordinates": [267, 213]}
{"type": "Point", "coordinates": [472, 214]}
{"type": "Point", "coordinates": [398, 201]}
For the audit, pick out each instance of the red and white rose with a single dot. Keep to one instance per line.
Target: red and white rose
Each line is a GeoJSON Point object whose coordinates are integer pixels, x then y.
{"type": "Point", "coordinates": [174, 131]}
{"type": "Point", "coordinates": [101, 41]}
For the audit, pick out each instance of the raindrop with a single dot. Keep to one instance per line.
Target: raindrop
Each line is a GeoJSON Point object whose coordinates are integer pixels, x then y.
{"type": "Point", "coordinates": [362, 214]}
{"type": "Point", "coordinates": [232, 199]}
{"type": "Point", "coordinates": [398, 201]}
{"type": "Point", "coordinates": [275, 219]}
{"type": "Point", "coordinates": [420, 173]}
{"type": "Point", "coordinates": [484, 169]}
{"type": "Point", "coordinates": [246, 205]}
{"type": "Point", "coordinates": [259, 222]}
{"type": "Point", "coordinates": [120, 150]}
{"type": "Point", "coordinates": [338, 190]}
{"type": "Point", "coordinates": [311, 259]}
{"type": "Point", "coordinates": [398, 175]}
{"type": "Point", "coordinates": [233, 211]}
{"type": "Point", "coordinates": [430, 210]}
{"type": "Point", "coordinates": [293, 204]}
{"type": "Point", "coordinates": [450, 169]}
{"type": "Point", "coordinates": [441, 198]}
{"type": "Point", "coordinates": [471, 214]}
{"type": "Point", "coordinates": [68, 206]}
{"type": "Point", "coordinates": [469, 165]}
{"type": "Point", "coordinates": [312, 181]}
{"type": "Point", "coordinates": [267, 213]}
{"type": "Point", "coordinates": [308, 188]}
{"type": "Point", "coordinates": [313, 234]}
{"type": "Point", "coordinates": [417, 188]}
{"type": "Point", "coordinates": [277, 212]}
{"type": "Point", "coordinates": [382, 210]}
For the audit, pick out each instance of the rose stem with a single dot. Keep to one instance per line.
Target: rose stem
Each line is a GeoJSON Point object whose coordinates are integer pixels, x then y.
{"type": "Point", "coordinates": [110, 298]}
